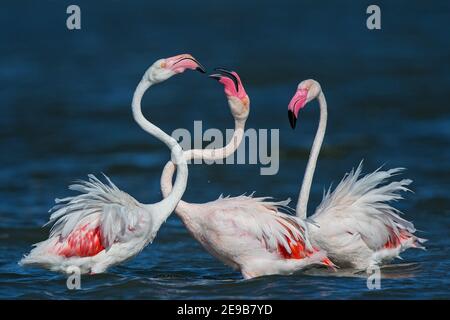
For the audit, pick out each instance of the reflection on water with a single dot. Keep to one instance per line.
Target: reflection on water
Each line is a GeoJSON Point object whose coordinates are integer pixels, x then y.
{"type": "Point", "coordinates": [65, 112]}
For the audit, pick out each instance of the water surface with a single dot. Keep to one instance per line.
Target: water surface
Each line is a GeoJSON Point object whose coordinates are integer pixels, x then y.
{"type": "Point", "coordinates": [65, 112]}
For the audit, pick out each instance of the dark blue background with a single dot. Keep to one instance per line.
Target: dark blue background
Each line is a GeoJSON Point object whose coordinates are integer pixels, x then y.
{"type": "Point", "coordinates": [65, 112]}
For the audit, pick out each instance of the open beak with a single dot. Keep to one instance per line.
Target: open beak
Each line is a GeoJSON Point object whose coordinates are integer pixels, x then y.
{"type": "Point", "coordinates": [226, 73]}
{"type": "Point", "coordinates": [232, 84]}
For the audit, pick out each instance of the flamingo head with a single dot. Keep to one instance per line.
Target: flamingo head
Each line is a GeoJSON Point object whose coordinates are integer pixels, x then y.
{"type": "Point", "coordinates": [163, 69]}
{"type": "Point", "coordinates": [307, 90]}
{"type": "Point", "coordinates": [234, 90]}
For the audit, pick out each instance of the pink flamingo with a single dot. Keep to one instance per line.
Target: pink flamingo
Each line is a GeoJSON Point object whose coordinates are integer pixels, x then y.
{"type": "Point", "coordinates": [104, 226]}
{"type": "Point", "coordinates": [354, 224]}
{"type": "Point", "coordinates": [249, 234]}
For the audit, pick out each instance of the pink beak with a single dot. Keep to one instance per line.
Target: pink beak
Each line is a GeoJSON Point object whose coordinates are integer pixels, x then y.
{"type": "Point", "coordinates": [298, 101]}
{"type": "Point", "coordinates": [184, 61]}
{"type": "Point", "coordinates": [232, 83]}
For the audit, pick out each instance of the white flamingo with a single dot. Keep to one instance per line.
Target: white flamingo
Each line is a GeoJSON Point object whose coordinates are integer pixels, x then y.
{"type": "Point", "coordinates": [249, 234]}
{"type": "Point", "coordinates": [354, 224]}
{"type": "Point", "coordinates": [104, 226]}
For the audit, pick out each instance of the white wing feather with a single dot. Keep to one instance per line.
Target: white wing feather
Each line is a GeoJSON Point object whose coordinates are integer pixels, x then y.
{"type": "Point", "coordinates": [261, 218]}
{"type": "Point", "coordinates": [361, 206]}
{"type": "Point", "coordinates": [115, 211]}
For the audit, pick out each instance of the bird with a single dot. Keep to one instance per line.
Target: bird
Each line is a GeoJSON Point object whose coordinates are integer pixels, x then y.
{"type": "Point", "coordinates": [355, 223]}
{"type": "Point", "coordinates": [103, 226]}
{"type": "Point", "coordinates": [254, 235]}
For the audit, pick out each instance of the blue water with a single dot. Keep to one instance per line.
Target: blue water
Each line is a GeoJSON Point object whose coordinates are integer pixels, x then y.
{"type": "Point", "coordinates": [65, 112]}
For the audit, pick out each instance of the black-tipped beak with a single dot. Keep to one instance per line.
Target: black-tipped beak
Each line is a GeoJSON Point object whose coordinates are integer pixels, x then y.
{"type": "Point", "coordinates": [227, 73]}
{"type": "Point", "coordinates": [292, 119]}
{"type": "Point", "coordinates": [200, 68]}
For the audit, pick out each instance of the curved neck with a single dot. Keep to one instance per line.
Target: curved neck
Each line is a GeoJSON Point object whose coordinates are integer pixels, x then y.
{"type": "Point", "coordinates": [221, 153]}
{"type": "Point", "coordinates": [311, 167]}
{"type": "Point", "coordinates": [164, 207]}
{"type": "Point", "coordinates": [205, 154]}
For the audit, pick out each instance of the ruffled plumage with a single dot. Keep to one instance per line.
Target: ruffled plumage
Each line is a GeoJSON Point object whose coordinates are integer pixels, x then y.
{"type": "Point", "coordinates": [115, 210]}
{"type": "Point", "coordinates": [360, 208]}
{"type": "Point", "coordinates": [92, 222]}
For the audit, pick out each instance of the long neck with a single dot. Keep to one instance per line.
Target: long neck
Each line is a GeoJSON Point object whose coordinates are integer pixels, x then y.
{"type": "Point", "coordinates": [311, 167]}
{"type": "Point", "coordinates": [205, 154]}
{"type": "Point", "coordinates": [164, 207]}
{"type": "Point", "coordinates": [221, 153]}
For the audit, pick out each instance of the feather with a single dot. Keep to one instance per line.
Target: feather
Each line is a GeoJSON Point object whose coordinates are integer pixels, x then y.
{"type": "Point", "coordinates": [269, 221]}
{"type": "Point", "coordinates": [361, 205]}
{"type": "Point", "coordinates": [98, 204]}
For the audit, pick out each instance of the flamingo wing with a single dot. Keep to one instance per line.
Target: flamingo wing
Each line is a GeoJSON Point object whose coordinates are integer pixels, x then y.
{"type": "Point", "coordinates": [359, 206]}
{"type": "Point", "coordinates": [261, 219]}
{"type": "Point", "coordinates": [101, 212]}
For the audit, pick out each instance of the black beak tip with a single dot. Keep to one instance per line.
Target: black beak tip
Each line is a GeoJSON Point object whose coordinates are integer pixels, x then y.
{"type": "Point", "coordinates": [292, 119]}
{"type": "Point", "coordinates": [229, 74]}
{"type": "Point", "coordinates": [200, 69]}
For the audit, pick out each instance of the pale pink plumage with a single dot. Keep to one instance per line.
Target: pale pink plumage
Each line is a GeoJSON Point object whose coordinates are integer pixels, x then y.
{"type": "Point", "coordinates": [355, 224]}
{"type": "Point", "coordinates": [93, 230]}
{"type": "Point", "coordinates": [250, 234]}
{"type": "Point", "coordinates": [104, 226]}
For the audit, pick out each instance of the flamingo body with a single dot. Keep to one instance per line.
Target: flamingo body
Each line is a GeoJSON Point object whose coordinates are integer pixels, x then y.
{"type": "Point", "coordinates": [104, 226]}
{"type": "Point", "coordinates": [252, 235]}
{"type": "Point", "coordinates": [94, 230]}
{"type": "Point", "coordinates": [249, 234]}
{"type": "Point", "coordinates": [356, 225]}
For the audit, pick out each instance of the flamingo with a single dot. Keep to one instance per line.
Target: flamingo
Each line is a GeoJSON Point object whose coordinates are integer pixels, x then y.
{"type": "Point", "coordinates": [354, 224]}
{"type": "Point", "coordinates": [252, 235]}
{"type": "Point", "coordinates": [104, 226]}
